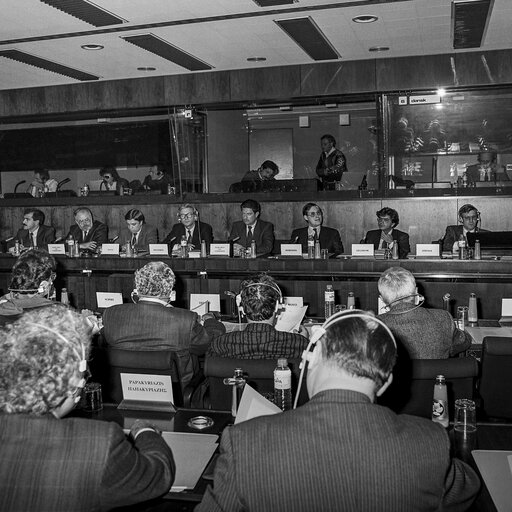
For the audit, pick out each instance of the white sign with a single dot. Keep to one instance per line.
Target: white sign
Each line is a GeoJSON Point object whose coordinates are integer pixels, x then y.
{"type": "Point", "coordinates": [424, 99]}
{"type": "Point", "coordinates": [147, 388]}
{"type": "Point", "coordinates": [402, 100]}
{"type": "Point", "coordinates": [219, 249]}
{"type": "Point", "coordinates": [429, 250]}
{"type": "Point", "coordinates": [112, 249]}
{"type": "Point", "coordinates": [107, 299]}
{"type": "Point", "coordinates": [56, 248]}
{"type": "Point", "coordinates": [365, 250]}
{"type": "Point", "coordinates": [213, 299]}
{"type": "Point", "coordinates": [194, 254]}
{"type": "Point", "coordinates": [294, 301]}
{"type": "Point", "coordinates": [291, 250]}
{"type": "Point", "coordinates": [159, 249]}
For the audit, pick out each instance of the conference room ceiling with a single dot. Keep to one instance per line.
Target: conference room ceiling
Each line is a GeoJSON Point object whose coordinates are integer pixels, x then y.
{"type": "Point", "coordinates": [141, 38]}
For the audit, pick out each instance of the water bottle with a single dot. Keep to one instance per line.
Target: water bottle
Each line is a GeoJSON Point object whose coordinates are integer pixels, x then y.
{"type": "Point", "coordinates": [76, 249]}
{"type": "Point", "coordinates": [317, 250]}
{"type": "Point", "coordinates": [253, 249]}
{"type": "Point", "coordinates": [351, 301]}
{"type": "Point", "coordinates": [283, 385]}
{"type": "Point", "coordinates": [311, 247]}
{"type": "Point", "coordinates": [183, 247]}
{"type": "Point", "coordinates": [478, 251]}
{"type": "Point", "coordinates": [394, 254]}
{"type": "Point", "coordinates": [64, 298]}
{"type": "Point", "coordinates": [129, 250]}
{"type": "Point", "coordinates": [446, 302]}
{"type": "Point", "coordinates": [70, 245]}
{"type": "Point", "coordinates": [329, 301]}
{"type": "Point", "coordinates": [462, 248]}
{"type": "Point", "coordinates": [203, 249]}
{"type": "Point", "coordinates": [472, 310]}
{"type": "Point", "coordinates": [440, 402]}
{"type": "Point", "coordinates": [17, 248]}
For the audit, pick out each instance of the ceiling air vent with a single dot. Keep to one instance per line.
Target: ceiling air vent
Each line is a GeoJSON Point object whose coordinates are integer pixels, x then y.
{"type": "Point", "coordinates": [270, 3]}
{"type": "Point", "coordinates": [85, 11]}
{"type": "Point", "coordinates": [469, 22]}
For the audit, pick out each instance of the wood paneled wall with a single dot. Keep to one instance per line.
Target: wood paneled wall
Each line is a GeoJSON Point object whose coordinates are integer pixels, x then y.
{"type": "Point", "coordinates": [424, 219]}
{"type": "Point", "coordinates": [265, 83]}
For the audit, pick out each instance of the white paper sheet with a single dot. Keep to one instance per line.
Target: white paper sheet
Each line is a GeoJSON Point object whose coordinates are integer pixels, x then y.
{"type": "Point", "coordinates": [252, 405]}
{"type": "Point", "coordinates": [290, 318]}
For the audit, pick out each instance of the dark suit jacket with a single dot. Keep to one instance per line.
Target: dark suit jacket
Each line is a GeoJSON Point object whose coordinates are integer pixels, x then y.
{"type": "Point", "coordinates": [329, 239]}
{"type": "Point", "coordinates": [263, 236]}
{"type": "Point", "coordinates": [45, 236]}
{"type": "Point", "coordinates": [152, 326]}
{"type": "Point", "coordinates": [404, 248]}
{"type": "Point", "coordinates": [98, 233]}
{"type": "Point", "coordinates": [78, 464]}
{"type": "Point", "coordinates": [338, 452]}
{"type": "Point", "coordinates": [178, 230]}
{"type": "Point", "coordinates": [120, 183]}
{"type": "Point", "coordinates": [452, 235]}
{"type": "Point", "coordinates": [147, 235]}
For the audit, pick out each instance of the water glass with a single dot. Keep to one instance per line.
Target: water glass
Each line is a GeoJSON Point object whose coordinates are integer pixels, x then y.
{"type": "Point", "coordinates": [324, 254]}
{"type": "Point", "coordinates": [92, 397]}
{"type": "Point", "coordinates": [464, 428]}
{"type": "Point", "coordinates": [462, 317]}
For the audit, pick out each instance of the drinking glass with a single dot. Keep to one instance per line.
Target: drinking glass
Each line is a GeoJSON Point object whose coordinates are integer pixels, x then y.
{"type": "Point", "coordinates": [464, 428]}
{"type": "Point", "coordinates": [462, 317]}
{"type": "Point", "coordinates": [92, 398]}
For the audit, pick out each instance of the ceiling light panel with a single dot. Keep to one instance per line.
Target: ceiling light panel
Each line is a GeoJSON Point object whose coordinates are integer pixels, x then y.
{"type": "Point", "coordinates": [86, 11]}
{"type": "Point", "coordinates": [469, 22]}
{"type": "Point", "coordinates": [163, 49]}
{"type": "Point", "coordinates": [270, 3]}
{"type": "Point", "coordinates": [309, 37]}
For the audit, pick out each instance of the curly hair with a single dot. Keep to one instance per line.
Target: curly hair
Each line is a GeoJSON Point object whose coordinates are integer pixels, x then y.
{"type": "Point", "coordinates": [393, 215]}
{"type": "Point", "coordinates": [155, 279]}
{"type": "Point", "coordinates": [259, 295]}
{"type": "Point", "coordinates": [30, 269]}
{"type": "Point", "coordinates": [41, 354]}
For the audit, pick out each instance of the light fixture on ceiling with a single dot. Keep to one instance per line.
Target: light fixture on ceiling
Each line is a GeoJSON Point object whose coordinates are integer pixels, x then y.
{"type": "Point", "coordinates": [441, 92]}
{"type": "Point", "coordinates": [146, 68]}
{"type": "Point", "coordinates": [470, 19]}
{"type": "Point", "coordinates": [365, 18]}
{"type": "Point", "coordinates": [86, 11]}
{"type": "Point", "coordinates": [271, 3]}
{"type": "Point", "coordinates": [378, 49]}
{"type": "Point", "coordinates": [256, 59]}
{"type": "Point", "coordinates": [92, 47]}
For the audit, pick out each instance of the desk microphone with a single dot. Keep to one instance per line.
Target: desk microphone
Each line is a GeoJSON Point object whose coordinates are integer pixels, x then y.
{"type": "Point", "coordinates": [7, 240]}
{"type": "Point", "coordinates": [18, 184]}
{"type": "Point", "coordinates": [57, 240]}
{"type": "Point", "coordinates": [235, 239]}
{"type": "Point", "coordinates": [66, 180]}
{"type": "Point", "coordinates": [295, 239]}
{"type": "Point", "coordinates": [172, 239]}
{"type": "Point", "coordinates": [112, 240]}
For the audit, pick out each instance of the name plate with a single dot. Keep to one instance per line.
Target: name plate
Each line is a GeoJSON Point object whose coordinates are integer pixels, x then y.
{"type": "Point", "coordinates": [219, 249]}
{"type": "Point", "coordinates": [297, 302]}
{"type": "Point", "coordinates": [146, 388]}
{"type": "Point", "coordinates": [56, 248]}
{"type": "Point", "coordinates": [158, 249]}
{"type": "Point", "coordinates": [365, 250]}
{"type": "Point", "coordinates": [291, 250]}
{"type": "Point", "coordinates": [194, 254]}
{"type": "Point", "coordinates": [430, 250]}
{"type": "Point", "coordinates": [108, 299]}
{"type": "Point", "coordinates": [197, 299]}
{"type": "Point", "coordinates": [112, 249]}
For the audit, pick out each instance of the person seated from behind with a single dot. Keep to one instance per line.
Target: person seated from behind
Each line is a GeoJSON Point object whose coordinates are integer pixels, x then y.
{"type": "Point", "coordinates": [425, 333]}
{"type": "Point", "coordinates": [329, 238]}
{"type": "Point", "coordinates": [191, 228]}
{"type": "Point", "coordinates": [266, 172]}
{"type": "Point", "coordinates": [157, 179]}
{"type": "Point", "coordinates": [77, 464]}
{"type": "Point", "coordinates": [469, 217]}
{"type": "Point", "coordinates": [252, 228]}
{"type": "Point", "coordinates": [89, 233]}
{"type": "Point", "coordinates": [112, 180]}
{"type": "Point", "coordinates": [387, 236]}
{"type": "Point", "coordinates": [291, 461]}
{"type": "Point", "coordinates": [34, 232]}
{"type": "Point", "coordinates": [42, 182]}
{"type": "Point", "coordinates": [260, 302]}
{"type": "Point", "coordinates": [138, 234]}
{"type": "Point", "coordinates": [152, 323]}
{"type": "Point", "coordinates": [31, 285]}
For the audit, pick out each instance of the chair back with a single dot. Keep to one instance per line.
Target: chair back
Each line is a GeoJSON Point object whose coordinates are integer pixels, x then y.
{"type": "Point", "coordinates": [259, 374]}
{"type": "Point", "coordinates": [413, 389]}
{"type": "Point", "coordinates": [496, 377]}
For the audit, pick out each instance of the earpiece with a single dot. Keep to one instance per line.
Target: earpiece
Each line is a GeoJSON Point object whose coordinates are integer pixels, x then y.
{"type": "Point", "coordinates": [276, 288]}
{"type": "Point", "coordinates": [134, 295]}
{"type": "Point", "coordinates": [417, 303]}
{"type": "Point", "coordinates": [172, 297]}
{"type": "Point", "coordinates": [42, 287]}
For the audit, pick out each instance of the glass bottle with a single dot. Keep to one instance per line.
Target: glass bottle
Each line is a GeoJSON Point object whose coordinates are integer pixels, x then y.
{"type": "Point", "coordinates": [317, 250]}
{"type": "Point", "coordinates": [64, 298]}
{"type": "Point", "coordinates": [472, 309]}
{"type": "Point", "coordinates": [70, 243]}
{"type": "Point", "coordinates": [462, 248]}
{"type": "Point", "coordinates": [311, 247]}
{"type": "Point", "coordinates": [440, 402]}
{"type": "Point", "coordinates": [183, 247]}
{"type": "Point", "coordinates": [329, 305]}
{"type": "Point", "coordinates": [351, 301]}
{"type": "Point", "coordinates": [253, 248]}
{"type": "Point", "coordinates": [203, 249]}
{"type": "Point", "coordinates": [283, 385]}
{"type": "Point", "coordinates": [478, 252]}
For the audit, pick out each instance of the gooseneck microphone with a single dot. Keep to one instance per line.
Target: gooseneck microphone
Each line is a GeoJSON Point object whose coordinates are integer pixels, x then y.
{"type": "Point", "coordinates": [18, 184]}
{"type": "Point", "coordinates": [64, 181]}
{"type": "Point", "coordinates": [234, 239]}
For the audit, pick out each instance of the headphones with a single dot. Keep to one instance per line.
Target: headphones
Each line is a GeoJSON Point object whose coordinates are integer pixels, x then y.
{"type": "Point", "coordinates": [311, 356]}
{"type": "Point", "coordinates": [44, 286]}
{"type": "Point", "coordinates": [272, 286]}
{"type": "Point", "coordinates": [420, 302]}
{"type": "Point", "coordinates": [135, 296]}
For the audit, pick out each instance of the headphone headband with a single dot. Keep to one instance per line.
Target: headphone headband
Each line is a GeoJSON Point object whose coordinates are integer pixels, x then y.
{"type": "Point", "coordinates": [272, 286]}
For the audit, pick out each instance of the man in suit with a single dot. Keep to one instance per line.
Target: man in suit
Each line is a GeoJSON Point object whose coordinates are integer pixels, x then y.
{"type": "Point", "coordinates": [329, 238]}
{"type": "Point", "coordinates": [89, 233]}
{"type": "Point", "coordinates": [340, 451]}
{"type": "Point", "coordinates": [138, 234]}
{"type": "Point", "coordinates": [153, 324]}
{"type": "Point", "coordinates": [331, 164]}
{"type": "Point", "coordinates": [157, 179]}
{"type": "Point", "coordinates": [250, 228]}
{"type": "Point", "coordinates": [34, 233]}
{"type": "Point", "coordinates": [191, 228]}
{"type": "Point", "coordinates": [469, 217]}
{"type": "Point", "coordinates": [50, 462]}
{"type": "Point", "coordinates": [423, 332]}
{"type": "Point", "coordinates": [386, 236]}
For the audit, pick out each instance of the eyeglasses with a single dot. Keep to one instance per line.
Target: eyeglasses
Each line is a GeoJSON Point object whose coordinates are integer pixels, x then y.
{"type": "Point", "coordinates": [83, 221]}
{"type": "Point", "coordinates": [186, 216]}
{"type": "Point", "coordinates": [470, 217]}
{"type": "Point", "coordinates": [314, 214]}
{"type": "Point", "coordinates": [106, 177]}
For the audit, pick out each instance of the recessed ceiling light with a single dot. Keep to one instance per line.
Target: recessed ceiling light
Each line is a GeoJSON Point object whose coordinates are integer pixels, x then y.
{"type": "Point", "coordinates": [365, 18]}
{"type": "Point", "coordinates": [92, 47]}
{"type": "Point", "coordinates": [146, 68]}
{"type": "Point", "coordinates": [379, 49]}
{"type": "Point", "coordinates": [441, 92]}
{"type": "Point", "coordinates": [257, 59]}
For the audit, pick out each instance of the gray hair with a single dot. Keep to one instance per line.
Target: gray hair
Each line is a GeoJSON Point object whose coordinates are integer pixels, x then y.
{"type": "Point", "coordinates": [397, 283]}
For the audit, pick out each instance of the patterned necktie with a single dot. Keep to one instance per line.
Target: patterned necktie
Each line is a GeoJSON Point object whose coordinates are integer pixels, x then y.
{"type": "Point", "coordinates": [189, 239]}
{"type": "Point", "coordinates": [134, 240]}
{"type": "Point", "coordinates": [249, 236]}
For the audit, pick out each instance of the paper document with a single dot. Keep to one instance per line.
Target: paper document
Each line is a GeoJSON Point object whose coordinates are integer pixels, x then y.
{"type": "Point", "coordinates": [252, 405]}
{"type": "Point", "coordinates": [290, 318]}
{"type": "Point", "coordinates": [479, 333]}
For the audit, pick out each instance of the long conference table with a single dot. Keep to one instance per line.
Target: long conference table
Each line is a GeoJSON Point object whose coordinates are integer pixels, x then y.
{"type": "Point", "coordinates": [490, 279]}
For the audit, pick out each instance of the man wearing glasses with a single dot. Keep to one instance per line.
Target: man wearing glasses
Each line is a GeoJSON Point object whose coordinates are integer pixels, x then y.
{"type": "Point", "coordinates": [89, 233]}
{"type": "Point", "coordinates": [469, 217]}
{"type": "Point", "coordinates": [329, 238]}
{"type": "Point", "coordinates": [190, 227]}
